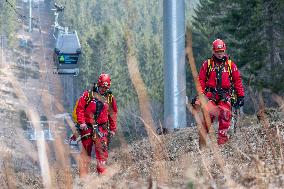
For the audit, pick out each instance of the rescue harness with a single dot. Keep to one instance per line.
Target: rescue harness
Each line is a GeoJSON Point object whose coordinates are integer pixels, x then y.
{"type": "Point", "coordinates": [95, 131]}
{"type": "Point", "coordinates": [95, 127]}
{"type": "Point", "coordinates": [223, 94]}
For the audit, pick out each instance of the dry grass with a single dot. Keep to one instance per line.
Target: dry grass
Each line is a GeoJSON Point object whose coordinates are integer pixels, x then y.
{"type": "Point", "coordinates": [253, 158]}
{"type": "Point", "coordinates": [159, 167]}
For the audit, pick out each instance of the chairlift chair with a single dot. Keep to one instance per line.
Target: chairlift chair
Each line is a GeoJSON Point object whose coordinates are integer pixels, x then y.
{"type": "Point", "coordinates": [67, 53]}
{"type": "Point", "coordinates": [67, 49]}
{"type": "Point", "coordinates": [46, 133]}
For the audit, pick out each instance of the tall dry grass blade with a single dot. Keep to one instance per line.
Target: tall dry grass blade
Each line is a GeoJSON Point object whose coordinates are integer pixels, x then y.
{"type": "Point", "coordinates": [161, 143]}
{"type": "Point", "coordinates": [34, 117]}
{"type": "Point", "coordinates": [214, 147]}
{"type": "Point", "coordinates": [204, 164]}
{"type": "Point", "coordinates": [153, 133]}
{"type": "Point", "coordinates": [268, 131]}
{"type": "Point", "coordinates": [253, 97]}
{"type": "Point", "coordinates": [144, 104]}
{"type": "Point", "coordinates": [199, 118]}
{"type": "Point", "coordinates": [279, 100]}
{"type": "Point", "coordinates": [8, 171]}
{"type": "Point", "coordinates": [202, 98]}
{"type": "Point", "coordinates": [63, 161]}
{"type": "Point", "coordinates": [150, 181]}
{"type": "Point", "coordinates": [280, 143]}
{"type": "Point", "coordinates": [242, 153]}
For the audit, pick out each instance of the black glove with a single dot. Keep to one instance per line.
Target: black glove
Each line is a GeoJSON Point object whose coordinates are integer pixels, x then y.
{"type": "Point", "coordinates": [108, 91]}
{"type": "Point", "coordinates": [240, 101]}
{"type": "Point", "coordinates": [193, 100]}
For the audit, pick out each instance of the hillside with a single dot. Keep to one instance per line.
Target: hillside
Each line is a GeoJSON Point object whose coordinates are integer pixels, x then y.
{"type": "Point", "coordinates": [253, 158]}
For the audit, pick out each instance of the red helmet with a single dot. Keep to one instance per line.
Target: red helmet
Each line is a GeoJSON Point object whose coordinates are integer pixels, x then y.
{"type": "Point", "coordinates": [218, 45]}
{"type": "Point", "coordinates": [104, 80]}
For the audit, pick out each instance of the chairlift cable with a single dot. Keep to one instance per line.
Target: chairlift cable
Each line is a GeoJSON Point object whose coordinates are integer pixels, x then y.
{"type": "Point", "coordinates": [47, 73]}
{"type": "Point", "coordinates": [44, 59]}
{"type": "Point", "coordinates": [15, 10]}
{"type": "Point", "coordinates": [25, 51]}
{"type": "Point", "coordinates": [23, 21]}
{"type": "Point", "coordinates": [22, 17]}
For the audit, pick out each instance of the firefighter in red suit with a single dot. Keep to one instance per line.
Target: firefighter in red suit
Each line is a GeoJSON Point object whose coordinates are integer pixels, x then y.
{"type": "Point", "coordinates": [96, 116]}
{"type": "Point", "coordinates": [218, 76]}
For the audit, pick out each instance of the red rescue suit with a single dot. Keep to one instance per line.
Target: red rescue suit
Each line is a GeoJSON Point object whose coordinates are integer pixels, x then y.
{"type": "Point", "coordinates": [219, 106]}
{"type": "Point", "coordinates": [106, 121]}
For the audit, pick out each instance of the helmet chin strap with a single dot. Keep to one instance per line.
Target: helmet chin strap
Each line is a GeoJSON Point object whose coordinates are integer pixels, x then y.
{"type": "Point", "coordinates": [97, 90]}
{"type": "Point", "coordinates": [223, 59]}
{"type": "Point", "coordinates": [105, 93]}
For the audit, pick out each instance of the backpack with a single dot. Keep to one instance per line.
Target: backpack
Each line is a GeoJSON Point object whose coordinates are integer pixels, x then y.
{"type": "Point", "coordinates": [74, 113]}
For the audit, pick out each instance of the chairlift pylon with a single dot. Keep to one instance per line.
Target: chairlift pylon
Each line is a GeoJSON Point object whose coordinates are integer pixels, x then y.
{"type": "Point", "coordinates": [45, 132]}
{"type": "Point", "coordinates": [67, 49]}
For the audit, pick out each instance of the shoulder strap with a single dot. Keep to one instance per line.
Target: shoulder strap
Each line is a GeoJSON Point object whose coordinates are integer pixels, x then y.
{"type": "Point", "coordinates": [109, 98]}
{"type": "Point", "coordinates": [230, 70]}
{"type": "Point", "coordinates": [89, 98]}
{"type": "Point", "coordinates": [209, 68]}
{"type": "Point", "coordinates": [99, 108]}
